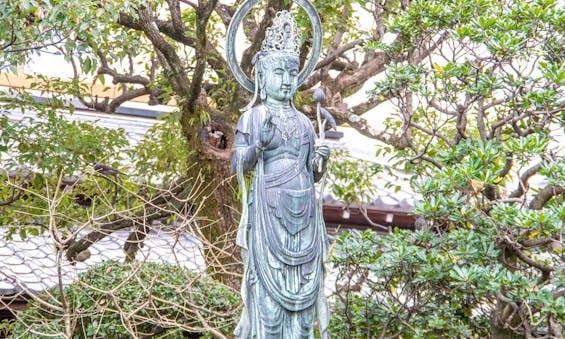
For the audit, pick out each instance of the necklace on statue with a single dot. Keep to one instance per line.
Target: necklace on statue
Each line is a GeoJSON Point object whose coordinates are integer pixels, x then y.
{"type": "Point", "coordinates": [284, 121]}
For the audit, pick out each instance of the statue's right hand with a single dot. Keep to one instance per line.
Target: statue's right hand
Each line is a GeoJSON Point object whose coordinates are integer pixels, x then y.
{"type": "Point", "coordinates": [267, 132]}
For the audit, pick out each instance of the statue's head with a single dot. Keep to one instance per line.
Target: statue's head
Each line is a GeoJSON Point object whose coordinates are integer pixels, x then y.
{"type": "Point", "coordinates": [277, 63]}
{"type": "Point", "coordinates": [277, 76]}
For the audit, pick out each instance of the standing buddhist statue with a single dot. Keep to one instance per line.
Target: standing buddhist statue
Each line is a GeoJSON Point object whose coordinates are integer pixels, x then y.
{"type": "Point", "coordinates": [282, 233]}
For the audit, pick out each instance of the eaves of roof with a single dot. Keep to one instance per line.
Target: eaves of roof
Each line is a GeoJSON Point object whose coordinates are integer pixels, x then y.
{"type": "Point", "coordinates": [29, 266]}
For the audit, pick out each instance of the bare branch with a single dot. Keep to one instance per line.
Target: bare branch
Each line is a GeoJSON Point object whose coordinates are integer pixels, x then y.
{"type": "Point", "coordinates": [225, 12]}
{"type": "Point", "coordinates": [544, 195]}
{"type": "Point", "coordinates": [151, 212]}
{"type": "Point", "coordinates": [134, 242]}
{"type": "Point", "coordinates": [336, 53]}
{"type": "Point", "coordinates": [436, 106]}
{"type": "Point", "coordinates": [179, 80]}
{"type": "Point", "coordinates": [345, 81]}
{"type": "Point", "coordinates": [204, 11]}
{"type": "Point", "coordinates": [523, 184]}
{"type": "Point", "coordinates": [481, 110]}
{"type": "Point", "coordinates": [433, 133]}
{"type": "Point", "coordinates": [536, 242]}
{"type": "Point", "coordinates": [118, 77]}
{"type": "Point", "coordinates": [362, 126]}
{"type": "Point", "coordinates": [176, 19]}
{"type": "Point", "coordinates": [129, 95]}
{"type": "Point", "coordinates": [507, 166]}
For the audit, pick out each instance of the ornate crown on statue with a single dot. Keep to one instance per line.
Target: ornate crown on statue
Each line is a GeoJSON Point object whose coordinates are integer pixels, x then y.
{"type": "Point", "coordinates": [283, 36]}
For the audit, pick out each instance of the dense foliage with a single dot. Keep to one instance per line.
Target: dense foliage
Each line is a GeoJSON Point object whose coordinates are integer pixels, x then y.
{"type": "Point", "coordinates": [59, 171]}
{"type": "Point", "coordinates": [482, 122]}
{"type": "Point", "coordinates": [116, 300]}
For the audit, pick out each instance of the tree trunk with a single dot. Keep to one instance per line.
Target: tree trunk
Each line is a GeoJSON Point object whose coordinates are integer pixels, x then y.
{"type": "Point", "coordinates": [215, 200]}
{"type": "Point", "coordinates": [505, 316]}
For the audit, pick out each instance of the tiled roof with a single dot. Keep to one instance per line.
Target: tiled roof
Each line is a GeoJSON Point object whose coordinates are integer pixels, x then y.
{"type": "Point", "coordinates": [135, 127]}
{"type": "Point", "coordinates": [385, 196]}
{"type": "Point", "coordinates": [30, 265]}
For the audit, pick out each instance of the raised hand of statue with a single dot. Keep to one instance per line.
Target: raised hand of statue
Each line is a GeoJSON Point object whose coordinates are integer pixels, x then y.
{"type": "Point", "coordinates": [267, 133]}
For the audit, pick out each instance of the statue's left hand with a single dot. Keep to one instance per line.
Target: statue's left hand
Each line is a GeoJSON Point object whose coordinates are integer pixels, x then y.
{"type": "Point", "coordinates": [323, 151]}
{"type": "Point", "coordinates": [322, 154]}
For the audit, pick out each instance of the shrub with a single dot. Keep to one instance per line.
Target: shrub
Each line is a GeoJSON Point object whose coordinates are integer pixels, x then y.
{"type": "Point", "coordinates": [117, 300]}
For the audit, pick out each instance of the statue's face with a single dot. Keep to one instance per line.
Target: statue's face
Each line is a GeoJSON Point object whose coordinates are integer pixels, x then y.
{"type": "Point", "coordinates": [280, 78]}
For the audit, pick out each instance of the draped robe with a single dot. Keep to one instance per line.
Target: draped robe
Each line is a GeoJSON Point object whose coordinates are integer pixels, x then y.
{"type": "Point", "coordinates": [281, 234]}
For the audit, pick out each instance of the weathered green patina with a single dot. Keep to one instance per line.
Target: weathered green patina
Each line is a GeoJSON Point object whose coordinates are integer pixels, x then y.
{"type": "Point", "coordinates": [281, 234]}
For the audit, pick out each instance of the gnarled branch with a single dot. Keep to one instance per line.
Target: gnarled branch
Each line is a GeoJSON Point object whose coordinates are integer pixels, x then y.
{"type": "Point", "coordinates": [544, 195]}
{"type": "Point", "coordinates": [523, 184]}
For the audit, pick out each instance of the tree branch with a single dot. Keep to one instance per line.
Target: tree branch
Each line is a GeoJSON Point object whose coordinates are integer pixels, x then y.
{"type": "Point", "coordinates": [431, 133]}
{"type": "Point", "coordinates": [109, 228]}
{"type": "Point", "coordinates": [225, 13]}
{"type": "Point", "coordinates": [481, 119]}
{"type": "Point", "coordinates": [336, 53]}
{"type": "Point", "coordinates": [176, 19]}
{"type": "Point", "coordinates": [536, 242]}
{"type": "Point", "coordinates": [362, 126]}
{"type": "Point", "coordinates": [507, 165]}
{"type": "Point", "coordinates": [12, 199]}
{"type": "Point", "coordinates": [130, 95]}
{"type": "Point", "coordinates": [345, 81]}
{"type": "Point", "coordinates": [523, 184]}
{"type": "Point", "coordinates": [204, 11]}
{"type": "Point", "coordinates": [437, 107]}
{"type": "Point", "coordinates": [179, 80]}
{"type": "Point", "coordinates": [118, 77]}
{"type": "Point", "coordinates": [544, 195]}
{"type": "Point", "coordinates": [260, 34]}
{"type": "Point", "coordinates": [151, 212]}
{"type": "Point", "coordinates": [134, 242]}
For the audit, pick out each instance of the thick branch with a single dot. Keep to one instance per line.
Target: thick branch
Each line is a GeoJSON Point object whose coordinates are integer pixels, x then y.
{"type": "Point", "coordinates": [346, 81]}
{"type": "Point", "coordinates": [545, 270]}
{"type": "Point", "coordinates": [109, 228]}
{"type": "Point", "coordinates": [443, 110]}
{"type": "Point", "coordinates": [176, 19]}
{"type": "Point", "coordinates": [481, 119]}
{"type": "Point", "coordinates": [507, 166]}
{"type": "Point", "coordinates": [336, 53]}
{"type": "Point", "coordinates": [225, 13]}
{"type": "Point", "coordinates": [544, 195]}
{"type": "Point", "coordinates": [362, 126]}
{"type": "Point", "coordinates": [260, 34]}
{"type": "Point", "coordinates": [134, 242]}
{"type": "Point", "coordinates": [312, 80]}
{"type": "Point", "coordinates": [536, 242]}
{"type": "Point", "coordinates": [523, 184]}
{"type": "Point", "coordinates": [516, 249]}
{"type": "Point", "coordinates": [179, 80]}
{"type": "Point", "coordinates": [204, 11]}
{"type": "Point", "coordinates": [118, 77]}
{"type": "Point", "coordinates": [129, 95]}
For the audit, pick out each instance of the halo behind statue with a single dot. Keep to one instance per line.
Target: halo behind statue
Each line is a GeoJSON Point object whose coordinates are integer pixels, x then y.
{"type": "Point", "coordinates": [242, 11]}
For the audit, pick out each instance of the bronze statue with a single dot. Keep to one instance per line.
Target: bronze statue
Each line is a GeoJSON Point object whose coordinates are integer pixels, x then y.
{"type": "Point", "coordinates": [282, 233]}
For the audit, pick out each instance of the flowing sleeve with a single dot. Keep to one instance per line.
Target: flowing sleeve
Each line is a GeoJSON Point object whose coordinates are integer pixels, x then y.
{"type": "Point", "coordinates": [243, 137]}
{"type": "Point", "coordinates": [244, 158]}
